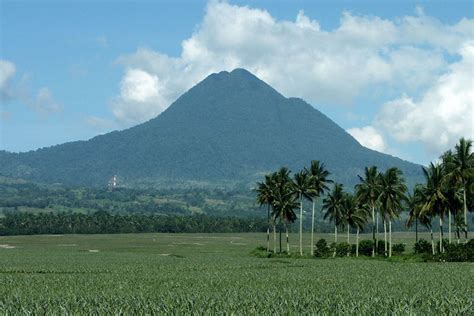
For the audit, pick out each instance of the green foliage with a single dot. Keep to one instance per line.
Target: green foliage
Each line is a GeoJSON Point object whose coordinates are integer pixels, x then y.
{"type": "Point", "coordinates": [184, 201]}
{"type": "Point", "coordinates": [342, 249]}
{"type": "Point", "coordinates": [398, 249]}
{"type": "Point", "coordinates": [15, 223]}
{"type": "Point", "coordinates": [422, 246]}
{"type": "Point", "coordinates": [445, 242]}
{"type": "Point", "coordinates": [458, 252]}
{"type": "Point", "coordinates": [365, 247]}
{"type": "Point", "coordinates": [322, 249]}
{"type": "Point", "coordinates": [381, 247]}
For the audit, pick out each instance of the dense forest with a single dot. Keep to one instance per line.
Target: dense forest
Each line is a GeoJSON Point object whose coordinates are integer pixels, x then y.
{"type": "Point", "coordinates": [105, 223]}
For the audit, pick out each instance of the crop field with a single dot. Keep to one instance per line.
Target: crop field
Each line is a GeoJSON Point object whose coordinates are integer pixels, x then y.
{"type": "Point", "coordinates": [213, 274]}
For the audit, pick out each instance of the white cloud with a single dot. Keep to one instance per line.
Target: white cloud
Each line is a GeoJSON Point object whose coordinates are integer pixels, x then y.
{"type": "Point", "coordinates": [364, 54]}
{"type": "Point", "coordinates": [44, 102]}
{"type": "Point", "coordinates": [140, 97]}
{"type": "Point", "coordinates": [419, 67]}
{"type": "Point", "coordinates": [369, 137]}
{"type": "Point", "coordinates": [7, 71]}
{"type": "Point", "coordinates": [443, 114]}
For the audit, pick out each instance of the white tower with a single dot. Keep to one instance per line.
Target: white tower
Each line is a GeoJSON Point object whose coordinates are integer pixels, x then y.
{"type": "Point", "coordinates": [113, 183]}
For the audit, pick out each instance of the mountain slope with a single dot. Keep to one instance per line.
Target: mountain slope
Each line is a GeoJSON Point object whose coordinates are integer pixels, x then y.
{"type": "Point", "coordinates": [229, 127]}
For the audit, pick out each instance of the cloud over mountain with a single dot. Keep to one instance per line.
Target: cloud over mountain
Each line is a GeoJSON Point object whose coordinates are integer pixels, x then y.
{"type": "Point", "coordinates": [400, 59]}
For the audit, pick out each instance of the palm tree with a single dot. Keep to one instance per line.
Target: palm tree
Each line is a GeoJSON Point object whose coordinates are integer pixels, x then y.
{"type": "Point", "coordinates": [368, 192]}
{"type": "Point", "coordinates": [462, 171]}
{"type": "Point", "coordinates": [353, 216]}
{"type": "Point", "coordinates": [303, 189]}
{"type": "Point", "coordinates": [333, 204]}
{"type": "Point", "coordinates": [265, 197]}
{"type": "Point", "coordinates": [435, 200]}
{"type": "Point", "coordinates": [426, 220]}
{"type": "Point", "coordinates": [392, 195]}
{"type": "Point", "coordinates": [319, 182]}
{"type": "Point", "coordinates": [414, 203]}
{"type": "Point", "coordinates": [284, 201]}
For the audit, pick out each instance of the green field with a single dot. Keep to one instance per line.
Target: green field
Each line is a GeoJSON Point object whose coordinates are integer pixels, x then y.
{"type": "Point", "coordinates": [215, 273]}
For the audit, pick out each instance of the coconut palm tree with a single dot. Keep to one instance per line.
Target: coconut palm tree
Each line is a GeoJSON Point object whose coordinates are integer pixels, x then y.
{"type": "Point", "coordinates": [414, 204]}
{"type": "Point", "coordinates": [462, 171]}
{"type": "Point", "coordinates": [333, 204]}
{"type": "Point", "coordinates": [319, 183]}
{"type": "Point", "coordinates": [368, 192]}
{"type": "Point", "coordinates": [435, 202]}
{"type": "Point", "coordinates": [265, 197]}
{"type": "Point", "coordinates": [451, 187]}
{"type": "Point", "coordinates": [391, 198]}
{"type": "Point", "coordinates": [353, 216]}
{"type": "Point", "coordinates": [285, 201]}
{"type": "Point", "coordinates": [303, 189]}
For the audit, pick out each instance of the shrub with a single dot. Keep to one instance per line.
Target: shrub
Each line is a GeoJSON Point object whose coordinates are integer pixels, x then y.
{"type": "Point", "coordinates": [422, 246]}
{"type": "Point", "coordinates": [342, 249]}
{"type": "Point", "coordinates": [381, 247]}
{"type": "Point", "coordinates": [445, 242]}
{"type": "Point", "coordinates": [365, 247]}
{"type": "Point", "coordinates": [353, 249]}
{"type": "Point", "coordinates": [322, 249]}
{"type": "Point", "coordinates": [398, 249]}
{"type": "Point", "coordinates": [458, 252]}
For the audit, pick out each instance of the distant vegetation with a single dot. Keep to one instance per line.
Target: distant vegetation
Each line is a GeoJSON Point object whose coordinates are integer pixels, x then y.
{"type": "Point", "coordinates": [22, 196]}
{"type": "Point", "coordinates": [104, 223]}
{"type": "Point", "coordinates": [448, 191]}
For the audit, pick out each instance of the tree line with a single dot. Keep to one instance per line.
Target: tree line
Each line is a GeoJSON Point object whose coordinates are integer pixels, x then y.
{"type": "Point", "coordinates": [448, 191]}
{"type": "Point", "coordinates": [101, 222]}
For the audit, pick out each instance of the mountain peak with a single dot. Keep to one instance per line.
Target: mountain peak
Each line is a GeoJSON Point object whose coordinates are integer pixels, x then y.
{"type": "Point", "coordinates": [238, 74]}
{"type": "Point", "coordinates": [236, 82]}
{"type": "Point", "coordinates": [231, 126]}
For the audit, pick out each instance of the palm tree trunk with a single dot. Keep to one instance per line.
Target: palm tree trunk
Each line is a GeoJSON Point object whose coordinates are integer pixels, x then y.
{"type": "Point", "coordinates": [465, 209]}
{"type": "Point", "coordinates": [458, 234]}
{"type": "Point", "coordinates": [348, 240]}
{"type": "Point", "coordinates": [449, 226]}
{"type": "Point", "coordinates": [357, 242]}
{"type": "Point", "coordinates": [416, 229]}
{"type": "Point", "coordinates": [280, 229]}
{"type": "Point", "coordinates": [432, 241]}
{"type": "Point", "coordinates": [274, 239]}
{"type": "Point", "coordinates": [376, 239]}
{"type": "Point", "coordinates": [301, 225]}
{"type": "Point", "coordinates": [373, 231]}
{"type": "Point", "coordinates": [335, 240]}
{"type": "Point", "coordinates": [441, 235]}
{"type": "Point", "coordinates": [312, 231]}
{"type": "Point", "coordinates": [268, 229]}
{"type": "Point", "coordinates": [385, 235]}
{"type": "Point", "coordinates": [287, 239]}
{"type": "Point", "coordinates": [390, 236]}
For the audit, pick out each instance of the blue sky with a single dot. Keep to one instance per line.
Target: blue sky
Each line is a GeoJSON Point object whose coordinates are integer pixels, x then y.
{"type": "Point", "coordinates": [392, 73]}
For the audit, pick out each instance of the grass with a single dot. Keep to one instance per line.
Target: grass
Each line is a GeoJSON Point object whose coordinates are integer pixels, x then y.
{"type": "Point", "coordinates": [215, 273]}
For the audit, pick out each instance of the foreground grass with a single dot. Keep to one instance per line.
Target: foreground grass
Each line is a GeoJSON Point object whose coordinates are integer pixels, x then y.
{"type": "Point", "coordinates": [214, 273]}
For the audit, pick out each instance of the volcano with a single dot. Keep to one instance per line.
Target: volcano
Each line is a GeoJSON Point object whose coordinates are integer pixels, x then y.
{"type": "Point", "coordinates": [230, 128]}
